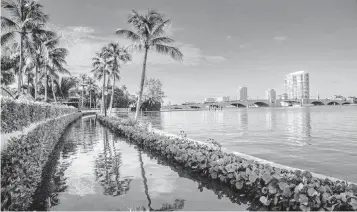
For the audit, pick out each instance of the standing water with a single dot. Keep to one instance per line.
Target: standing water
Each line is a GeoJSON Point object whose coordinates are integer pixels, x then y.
{"type": "Point", "coordinates": [320, 139]}
{"type": "Point", "coordinates": [93, 169]}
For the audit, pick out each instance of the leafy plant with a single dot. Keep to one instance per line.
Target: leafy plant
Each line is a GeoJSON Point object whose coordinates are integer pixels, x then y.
{"type": "Point", "coordinates": [24, 159]}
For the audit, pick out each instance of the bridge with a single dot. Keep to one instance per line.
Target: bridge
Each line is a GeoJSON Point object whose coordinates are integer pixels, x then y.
{"type": "Point", "coordinates": [254, 103]}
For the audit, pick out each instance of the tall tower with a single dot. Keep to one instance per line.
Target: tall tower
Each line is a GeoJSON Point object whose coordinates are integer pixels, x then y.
{"type": "Point", "coordinates": [243, 93]}
{"type": "Point", "coordinates": [318, 95]}
{"type": "Point", "coordinates": [270, 94]}
{"type": "Point", "coordinates": [297, 85]}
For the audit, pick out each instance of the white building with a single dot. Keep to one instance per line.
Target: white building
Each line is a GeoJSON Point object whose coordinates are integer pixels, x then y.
{"type": "Point", "coordinates": [297, 85]}
{"type": "Point", "coordinates": [210, 99]}
{"type": "Point", "coordinates": [270, 94]}
{"type": "Point", "coordinates": [243, 93]}
{"type": "Point", "coordinates": [223, 99]}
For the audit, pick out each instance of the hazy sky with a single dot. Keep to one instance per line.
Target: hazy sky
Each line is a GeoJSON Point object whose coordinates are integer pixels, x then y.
{"type": "Point", "coordinates": [226, 43]}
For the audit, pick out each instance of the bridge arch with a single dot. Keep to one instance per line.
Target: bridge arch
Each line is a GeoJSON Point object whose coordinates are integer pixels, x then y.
{"type": "Point", "coordinates": [195, 107]}
{"type": "Point", "coordinates": [346, 103]}
{"type": "Point", "coordinates": [261, 104]}
{"type": "Point", "coordinates": [317, 103]}
{"type": "Point", "coordinates": [333, 103]}
{"type": "Point", "coordinates": [239, 105]}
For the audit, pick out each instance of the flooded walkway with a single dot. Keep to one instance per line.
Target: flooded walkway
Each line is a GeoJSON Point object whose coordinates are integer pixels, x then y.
{"type": "Point", "coordinates": [93, 169]}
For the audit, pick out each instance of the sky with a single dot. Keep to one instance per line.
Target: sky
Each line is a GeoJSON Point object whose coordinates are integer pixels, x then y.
{"type": "Point", "coordinates": [226, 44]}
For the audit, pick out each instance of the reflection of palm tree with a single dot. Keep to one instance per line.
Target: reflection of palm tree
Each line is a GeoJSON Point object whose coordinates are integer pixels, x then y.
{"type": "Point", "coordinates": [108, 173]}
{"type": "Point", "coordinates": [144, 180]}
{"type": "Point", "coordinates": [177, 205]}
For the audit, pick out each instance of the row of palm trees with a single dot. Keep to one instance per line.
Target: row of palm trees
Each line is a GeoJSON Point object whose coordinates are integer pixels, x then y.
{"type": "Point", "coordinates": [147, 34]}
{"type": "Point", "coordinates": [107, 62]}
{"type": "Point", "coordinates": [34, 49]}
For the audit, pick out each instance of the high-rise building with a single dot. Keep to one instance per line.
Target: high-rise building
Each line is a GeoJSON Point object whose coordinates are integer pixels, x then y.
{"type": "Point", "coordinates": [243, 93]}
{"type": "Point", "coordinates": [297, 85]}
{"type": "Point", "coordinates": [270, 94]}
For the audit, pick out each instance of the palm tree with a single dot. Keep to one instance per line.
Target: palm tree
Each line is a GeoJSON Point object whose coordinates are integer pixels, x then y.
{"type": "Point", "coordinates": [26, 15]}
{"type": "Point", "coordinates": [91, 86]}
{"type": "Point", "coordinates": [149, 34]}
{"type": "Point", "coordinates": [83, 78]}
{"type": "Point", "coordinates": [41, 43]}
{"type": "Point", "coordinates": [100, 70]}
{"type": "Point", "coordinates": [116, 54]}
{"type": "Point", "coordinates": [54, 63]}
{"type": "Point", "coordinates": [65, 85]}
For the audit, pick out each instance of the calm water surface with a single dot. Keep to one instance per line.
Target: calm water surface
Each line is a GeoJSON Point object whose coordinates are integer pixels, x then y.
{"type": "Point", "coordinates": [93, 169]}
{"type": "Point", "coordinates": [320, 139]}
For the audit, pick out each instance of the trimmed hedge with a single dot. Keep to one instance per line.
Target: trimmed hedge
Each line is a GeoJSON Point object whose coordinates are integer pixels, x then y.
{"type": "Point", "coordinates": [17, 114]}
{"type": "Point", "coordinates": [273, 188]}
{"type": "Point", "coordinates": [24, 159]}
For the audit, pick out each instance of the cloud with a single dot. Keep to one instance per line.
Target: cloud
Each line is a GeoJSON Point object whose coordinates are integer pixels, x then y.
{"type": "Point", "coordinates": [83, 42]}
{"type": "Point", "coordinates": [81, 29]}
{"type": "Point", "coordinates": [280, 38]}
{"type": "Point", "coordinates": [242, 46]}
{"type": "Point", "coordinates": [228, 37]}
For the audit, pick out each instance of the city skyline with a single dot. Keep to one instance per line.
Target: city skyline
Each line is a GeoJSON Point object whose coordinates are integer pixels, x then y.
{"type": "Point", "coordinates": [252, 43]}
{"type": "Point", "coordinates": [298, 78]}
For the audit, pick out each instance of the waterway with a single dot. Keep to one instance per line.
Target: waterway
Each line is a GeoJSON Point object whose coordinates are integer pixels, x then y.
{"type": "Point", "coordinates": [321, 139]}
{"type": "Point", "coordinates": [93, 169]}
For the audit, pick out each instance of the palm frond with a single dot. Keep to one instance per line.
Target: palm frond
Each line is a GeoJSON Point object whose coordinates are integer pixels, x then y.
{"type": "Point", "coordinates": [7, 24]}
{"type": "Point", "coordinates": [161, 40]}
{"type": "Point", "coordinates": [5, 38]}
{"type": "Point", "coordinates": [174, 52]}
{"type": "Point", "coordinates": [159, 30]}
{"type": "Point", "coordinates": [128, 34]}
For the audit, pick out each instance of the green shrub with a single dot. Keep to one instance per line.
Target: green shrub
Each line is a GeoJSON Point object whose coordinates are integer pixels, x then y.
{"type": "Point", "coordinates": [273, 188]}
{"type": "Point", "coordinates": [17, 114]}
{"type": "Point", "coordinates": [24, 159]}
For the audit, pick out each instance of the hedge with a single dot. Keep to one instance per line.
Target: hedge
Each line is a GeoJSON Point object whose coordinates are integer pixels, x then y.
{"type": "Point", "coordinates": [273, 188]}
{"type": "Point", "coordinates": [24, 159]}
{"type": "Point", "coordinates": [17, 114]}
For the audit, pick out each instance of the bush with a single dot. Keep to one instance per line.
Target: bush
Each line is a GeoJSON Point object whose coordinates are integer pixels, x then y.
{"type": "Point", "coordinates": [17, 114]}
{"type": "Point", "coordinates": [24, 159]}
{"type": "Point", "coordinates": [274, 188]}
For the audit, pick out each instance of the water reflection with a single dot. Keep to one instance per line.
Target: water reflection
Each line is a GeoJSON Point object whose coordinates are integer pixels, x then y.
{"type": "Point", "coordinates": [242, 115]}
{"type": "Point", "coordinates": [97, 170]}
{"type": "Point", "coordinates": [299, 127]}
{"type": "Point", "coordinates": [107, 169]}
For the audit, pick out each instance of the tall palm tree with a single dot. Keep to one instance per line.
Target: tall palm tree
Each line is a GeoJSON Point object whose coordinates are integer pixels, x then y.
{"type": "Point", "coordinates": [116, 54]}
{"type": "Point", "coordinates": [149, 34]}
{"type": "Point", "coordinates": [83, 78]}
{"type": "Point", "coordinates": [26, 15]}
{"type": "Point", "coordinates": [55, 59]}
{"type": "Point", "coordinates": [100, 70]}
{"type": "Point", "coordinates": [41, 42]}
{"type": "Point", "coordinates": [91, 86]}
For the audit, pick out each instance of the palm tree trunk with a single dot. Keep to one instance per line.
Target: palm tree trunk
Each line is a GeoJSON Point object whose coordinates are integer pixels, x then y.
{"type": "Point", "coordinates": [20, 68]}
{"type": "Point", "coordinates": [112, 97]}
{"type": "Point", "coordinates": [53, 90]}
{"type": "Point", "coordinates": [36, 82]}
{"type": "Point", "coordinates": [82, 94]}
{"type": "Point", "coordinates": [46, 79]}
{"type": "Point", "coordinates": [90, 98]}
{"type": "Point", "coordinates": [145, 181]}
{"type": "Point", "coordinates": [138, 104]}
{"type": "Point", "coordinates": [103, 97]}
